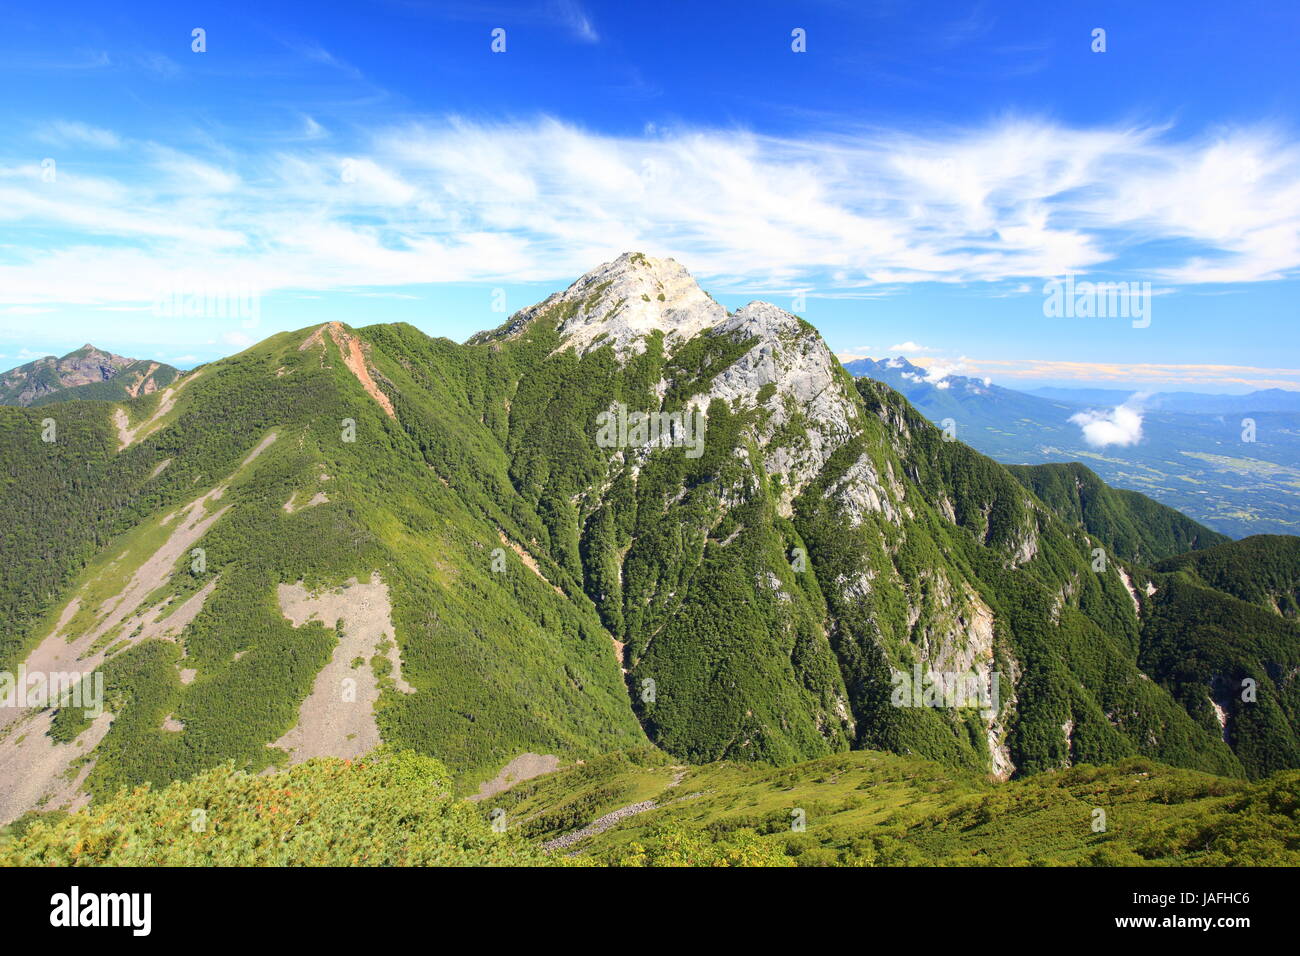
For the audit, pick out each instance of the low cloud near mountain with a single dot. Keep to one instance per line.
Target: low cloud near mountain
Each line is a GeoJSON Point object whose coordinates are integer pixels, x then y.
{"type": "Point", "coordinates": [1122, 425]}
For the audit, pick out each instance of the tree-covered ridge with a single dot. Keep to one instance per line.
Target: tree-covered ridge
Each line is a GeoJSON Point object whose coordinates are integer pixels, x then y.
{"type": "Point", "coordinates": [1263, 569]}
{"type": "Point", "coordinates": [921, 552]}
{"type": "Point", "coordinates": [1068, 632]}
{"type": "Point", "coordinates": [1130, 525]}
{"type": "Point", "coordinates": [500, 663]}
{"type": "Point", "coordinates": [1233, 666]}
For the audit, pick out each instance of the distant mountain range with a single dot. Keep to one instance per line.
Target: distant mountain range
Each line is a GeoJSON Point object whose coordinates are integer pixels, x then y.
{"type": "Point", "coordinates": [1192, 452]}
{"type": "Point", "coordinates": [1197, 403]}
{"type": "Point", "coordinates": [88, 372]}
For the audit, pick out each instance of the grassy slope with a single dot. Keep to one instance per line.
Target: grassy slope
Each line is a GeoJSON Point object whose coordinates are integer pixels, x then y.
{"type": "Point", "coordinates": [872, 808]}
{"type": "Point", "coordinates": [860, 809]}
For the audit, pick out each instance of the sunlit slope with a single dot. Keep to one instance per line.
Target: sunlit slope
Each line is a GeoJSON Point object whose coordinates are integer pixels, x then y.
{"type": "Point", "coordinates": [342, 537]}
{"type": "Point", "coordinates": [876, 809]}
{"type": "Point", "coordinates": [281, 467]}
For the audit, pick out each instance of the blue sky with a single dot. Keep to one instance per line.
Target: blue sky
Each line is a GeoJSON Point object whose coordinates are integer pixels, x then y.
{"type": "Point", "coordinates": [918, 173]}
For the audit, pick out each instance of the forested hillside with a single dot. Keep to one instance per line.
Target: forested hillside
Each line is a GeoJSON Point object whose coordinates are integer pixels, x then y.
{"type": "Point", "coordinates": [1130, 525]}
{"type": "Point", "coordinates": [342, 537]}
{"type": "Point", "coordinates": [1264, 570]}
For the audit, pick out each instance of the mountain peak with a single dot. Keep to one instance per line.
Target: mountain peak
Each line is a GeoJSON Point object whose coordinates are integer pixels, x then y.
{"type": "Point", "coordinates": [620, 303]}
{"type": "Point", "coordinates": [87, 366]}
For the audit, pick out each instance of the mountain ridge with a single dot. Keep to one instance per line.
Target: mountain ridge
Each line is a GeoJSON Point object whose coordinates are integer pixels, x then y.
{"type": "Point", "coordinates": [548, 594]}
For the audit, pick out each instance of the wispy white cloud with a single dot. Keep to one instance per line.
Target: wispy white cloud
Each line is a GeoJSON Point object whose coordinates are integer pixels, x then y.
{"type": "Point", "coordinates": [843, 215]}
{"type": "Point", "coordinates": [24, 310]}
{"type": "Point", "coordinates": [163, 66]}
{"type": "Point", "coordinates": [74, 133]}
{"type": "Point", "coordinates": [239, 340]}
{"type": "Point", "coordinates": [576, 20]}
{"type": "Point", "coordinates": [935, 372]}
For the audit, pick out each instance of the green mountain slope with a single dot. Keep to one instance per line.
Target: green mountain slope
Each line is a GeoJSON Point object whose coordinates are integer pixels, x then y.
{"type": "Point", "coordinates": [876, 809]}
{"type": "Point", "coordinates": [1264, 570]}
{"type": "Point", "coordinates": [858, 809]}
{"type": "Point", "coordinates": [490, 663]}
{"type": "Point", "coordinates": [393, 809]}
{"type": "Point", "coordinates": [1130, 525]}
{"type": "Point", "coordinates": [1232, 665]}
{"type": "Point", "coordinates": [346, 536]}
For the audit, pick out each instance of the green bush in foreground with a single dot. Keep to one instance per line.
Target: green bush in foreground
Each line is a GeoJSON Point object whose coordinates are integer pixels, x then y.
{"type": "Point", "coordinates": [388, 809]}
{"type": "Point", "coordinates": [675, 845]}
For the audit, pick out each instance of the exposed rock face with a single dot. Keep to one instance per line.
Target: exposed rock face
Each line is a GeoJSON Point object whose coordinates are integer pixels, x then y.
{"type": "Point", "coordinates": [1128, 586]}
{"type": "Point", "coordinates": [77, 372]}
{"type": "Point", "coordinates": [25, 384]}
{"type": "Point", "coordinates": [794, 361]}
{"type": "Point", "coordinates": [621, 303]}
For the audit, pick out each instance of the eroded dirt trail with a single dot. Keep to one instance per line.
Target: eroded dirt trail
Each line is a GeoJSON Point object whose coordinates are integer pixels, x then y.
{"type": "Point", "coordinates": [126, 435]}
{"type": "Point", "coordinates": [34, 768]}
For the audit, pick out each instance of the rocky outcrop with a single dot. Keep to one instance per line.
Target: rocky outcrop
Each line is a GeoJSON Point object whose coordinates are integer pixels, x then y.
{"type": "Point", "coordinates": [791, 364]}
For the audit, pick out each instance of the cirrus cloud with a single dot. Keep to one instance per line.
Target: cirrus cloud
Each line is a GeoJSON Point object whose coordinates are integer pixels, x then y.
{"type": "Point", "coordinates": [850, 214]}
